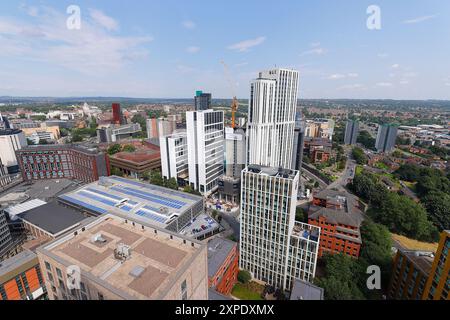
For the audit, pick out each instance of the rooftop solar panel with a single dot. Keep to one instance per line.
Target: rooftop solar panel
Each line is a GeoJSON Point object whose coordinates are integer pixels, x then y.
{"type": "Point", "coordinates": [108, 195]}
{"type": "Point", "coordinates": [97, 198]}
{"type": "Point", "coordinates": [83, 204]}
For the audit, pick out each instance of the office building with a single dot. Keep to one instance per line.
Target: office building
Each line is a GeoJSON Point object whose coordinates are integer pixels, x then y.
{"type": "Point", "coordinates": [234, 151]}
{"type": "Point", "coordinates": [351, 132]}
{"type": "Point", "coordinates": [205, 139]}
{"type": "Point", "coordinates": [271, 118]}
{"type": "Point", "coordinates": [118, 117]}
{"type": "Point", "coordinates": [21, 278]}
{"type": "Point", "coordinates": [78, 162]}
{"type": "Point", "coordinates": [4, 122]}
{"type": "Point", "coordinates": [275, 248]}
{"type": "Point", "coordinates": [174, 157]}
{"type": "Point", "coordinates": [119, 259]}
{"type": "Point", "coordinates": [339, 217]}
{"type": "Point", "coordinates": [5, 177]}
{"type": "Point", "coordinates": [5, 235]}
{"type": "Point", "coordinates": [320, 128]}
{"type": "Point", "coordinates": [229, 184]}
{"type": "Point", "coordinates": [386, 138]}
{"type": "Point", "coordinates": [41, 131]}
{"type": "Point", "coordinates": [318, 149]}
{"type": "Point", "coordinates": [157, 128]}
{"type": "Point", "coordinates": [299, 143]}
{"type": "Point", "coordinates": [410, 272]}
{"type": "Point", "coordinates": [438, 284]}
{"type": "Point", "coordinates": [116, 133]}
{"type": "Point", "coordinates": [202, 101]}
{"type": "Point", "coordinates": [165, 208]}
{"type": "Point", "coordinates": [11, 140]}
{"type": "Point", "coordinates": [135, 164]}
{"type": "Point", "coordinates": [223, 265]}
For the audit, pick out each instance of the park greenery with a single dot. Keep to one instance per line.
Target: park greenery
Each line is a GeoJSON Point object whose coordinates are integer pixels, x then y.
{"type": "Point", "coordinates": [398, 213]}
{"type": "Point", "coordinates": [433, 189]}
{"type": "Point", "coordinates": [345, 278]}
{"type": "Point", "coordinates": [359, 156]}
{"type": "Point", "coordinates": [116, 148]}
{"type": "Point", "coordinates": [366, 140]}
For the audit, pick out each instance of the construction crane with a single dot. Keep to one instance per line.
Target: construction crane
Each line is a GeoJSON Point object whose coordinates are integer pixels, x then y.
{"type": "Point", "coordinates": [235, 103]}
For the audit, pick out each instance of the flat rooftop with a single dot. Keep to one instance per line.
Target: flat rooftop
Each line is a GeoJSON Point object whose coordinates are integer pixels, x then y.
{"type": "Point", "coordinates": [45, 190]}
{"type": "Point", "coordinates": [200, 225]}
{"type": "Point", "coordinates": [142, 201]}
{"type": "Point", "coordinates": [154, 263]}
{"type": "Point", "coordinates": [218, 250]}
{"type": "Point", "coordinates": [272, 171]}
{"type": "Point", "coordinates": [303, 290]}
{"type": "Point", "coordinates": [53, 218]}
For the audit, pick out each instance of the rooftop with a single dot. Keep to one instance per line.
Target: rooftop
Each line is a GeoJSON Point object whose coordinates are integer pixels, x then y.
{"type": "Point", "coordinates": [136, 263]}
{"type": "Point", "coordinates": [303, 290]}
{"type": "Point", "coordinates": [218, 250]}
{"type": "Point", "coordinates": [53, 218]}
{"type": "Point", "coordinates": [200, 225]}
{"type": "Point", "coordinates": [421, 259]}
{"type": "Point", "coordinates": [87, 149]}
{"type": "Point", "coordinates": [142, 201]}
{"type": "Point", "coordinates": [8, 132]}
{"type": "Point", "coordinates": [20, 260]}
{"type": "Point", "coordinates": [272, 171]}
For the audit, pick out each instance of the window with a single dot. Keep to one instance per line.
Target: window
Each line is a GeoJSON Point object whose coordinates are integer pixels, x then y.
{"type": "Point", "coordinates": [100, 296]}
{"type": "Point", "coordinates": [59, 273]}
{"type": "Point", "coordinates": [47, 266]}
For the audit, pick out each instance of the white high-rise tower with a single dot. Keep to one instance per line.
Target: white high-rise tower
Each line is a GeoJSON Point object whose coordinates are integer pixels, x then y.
{"type": "Point", "coordinates": [271, 119]}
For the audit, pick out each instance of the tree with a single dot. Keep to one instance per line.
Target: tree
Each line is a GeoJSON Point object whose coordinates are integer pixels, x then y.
{"type": "Point", "coordinates": [366, 140]}
{"type": "Point", "coordinates": [43, 141]}
{"type": "Point", "coordinates": [141, 120]}
{"type": "Point", "coordinates": [116, 172]}
{"type": "Point", "coordinates": [437, 204]}
{"type": "Point", "coordinates": [129, 148]}
{"type": "Point", "coordinates": [172, 184]}
{"type": "Point", "coordinates": [342, 277]}
{"type": "Point", "coordinates": [156, 178]}
{"type": "Point", "coordinates": [115, 148]}
{"type": "Point", "coordinates": [359, 156]}
{"type": "Point", "coordinates": [30, 142]}
{"type": "Point", "coordinates": [244, 276]}
{"type": "Point", "coordinates": [301, 215]}
{"type": "Point", "coordinates": [77, 137]}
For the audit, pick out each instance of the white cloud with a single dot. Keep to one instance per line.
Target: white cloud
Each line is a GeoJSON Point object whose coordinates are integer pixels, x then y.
{"type": "Point", "coordinates": [315, 44]}
{"type": "Point", "coordinates": [192, 49]}
{"type": "Point", "coordinates": [383, 55]}
{"type": "Point", "coordinates": [420, 19]}
{"type": "Point", "coordinates": [242, 64]}
{"type": "Point", "coordinates": [355, 86]}
{"type": "Point", "coordinates": [188, 24]}
{"type": "Point", "coordinates": [395, 66]}
{"type": "Point", "coordinates": [246, 45]}
{"type": "Point", "coordinates": [91, 50]}
{"type": "Point", "coordinates": [338, 76]}
{"type": "Point", "coordinates": [404, 82]}
{"type": "Point", "coordinates": [185, 69]}
{"type": "Point", "coordinates": [384, 84]}
{"type": "Point", "coordinates": [103, 20]}
{"type": "Point", "coordinates": [316, 51]}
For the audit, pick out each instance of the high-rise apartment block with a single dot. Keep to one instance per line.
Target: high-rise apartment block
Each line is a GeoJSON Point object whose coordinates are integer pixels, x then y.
{"type": "Point", "coordinates": [62, 161]}
{"type": "Point", "coordinates": [174, 156]}
{"type": "Point", "coordinates": [205, 138]}
{"type": "Point", "coordinates": [115, 133]}
{"type": "Point", "coordinates": [118, 117]}
{"type": "Point", "coordinates": [5, 235]}
{"type": "Point", "coordinates": [275, 248]}
{"type": "Point", "coordinates": [438, 284]}
{"type": "Point", "coordinates": [386, 138]}
{"type": "Point", "coordinates": [120, 259]}
{"type": "Point", "coordinates": [351, 132]}
{"type": "Point", "coordinates": [161, 127]}
{"type": "Point", "coordinates": [202, 101]}
{"type": "Point", "coordinates": [299, 143]}
{"type": "Point", "coordinates": [271, 118]}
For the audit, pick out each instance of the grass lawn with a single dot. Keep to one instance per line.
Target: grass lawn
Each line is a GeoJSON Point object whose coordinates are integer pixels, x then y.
{"type": "Point", "coordinates": [249, 291]}
{"type": "Point", "coordinates": [359, 169]}
{"type": "Point", "coordinates": [412, 244]}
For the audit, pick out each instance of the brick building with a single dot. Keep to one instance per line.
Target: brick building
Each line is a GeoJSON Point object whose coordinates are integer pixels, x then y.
{"type": "Point", "coordinates": [21, 278]}
{"type": "Point", "coordinates": [338, 216]}
{"type": "Point", "coordinates": [223, 265]}
{"type": "Point", "coordinates": [62, 161]}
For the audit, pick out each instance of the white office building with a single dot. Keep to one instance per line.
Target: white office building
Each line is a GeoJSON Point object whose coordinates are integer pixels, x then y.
{"type": "Point", "coordinates": [161, 127]}
{"type": "Point", "coordinates": [271, 119]}
{"type": "Point", "coordinates": [10, 141]}
{"type": "Point", "coordinates": [234, 151]}
{"type": "Point", "coordinates": [205, 138]}
{"type": "Point", "coordinates": [275, 248]}
{"type": "Point", "coordinates": [174, 156]}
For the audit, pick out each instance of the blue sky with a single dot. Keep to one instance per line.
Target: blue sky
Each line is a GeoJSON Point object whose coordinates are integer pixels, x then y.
{"type": "Point", "coordinates": [170, 49]}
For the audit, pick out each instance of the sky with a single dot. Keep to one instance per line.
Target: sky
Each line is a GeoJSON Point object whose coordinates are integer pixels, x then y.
{"type": "Point", "coordinates": [171, 48]}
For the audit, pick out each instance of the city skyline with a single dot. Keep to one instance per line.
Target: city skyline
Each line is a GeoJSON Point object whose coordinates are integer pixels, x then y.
{"type": "Point", "coordinates": [151, 49]}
